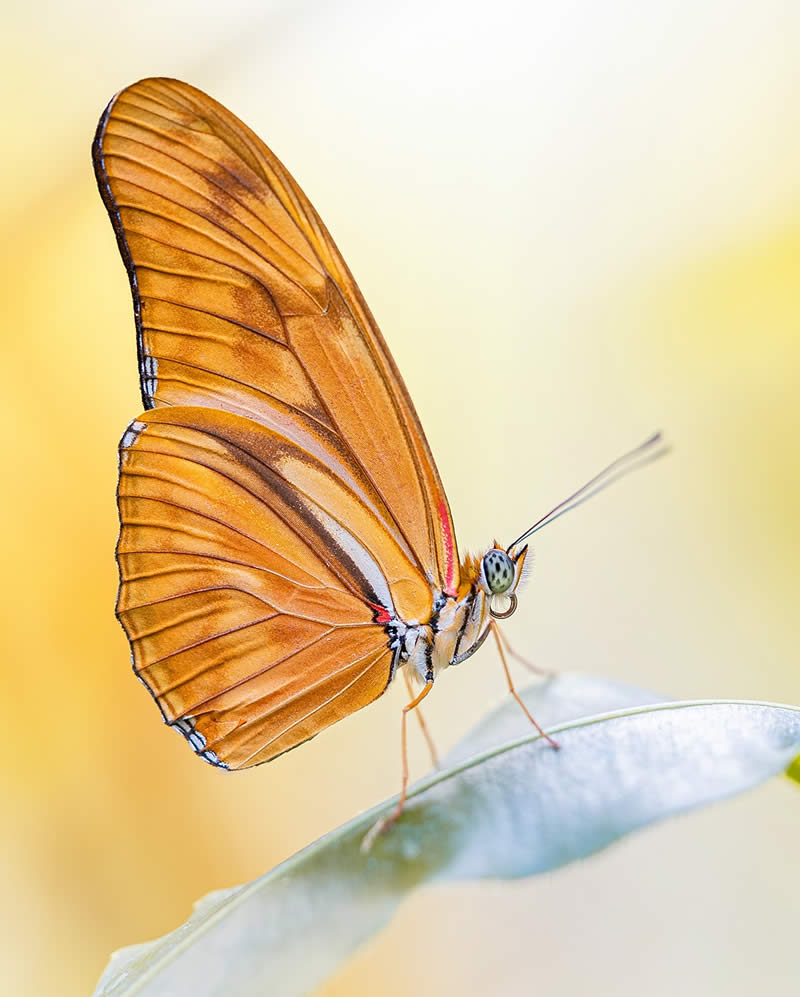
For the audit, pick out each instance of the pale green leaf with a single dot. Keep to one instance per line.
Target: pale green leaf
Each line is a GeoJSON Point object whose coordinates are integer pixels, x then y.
{"type": "Point", "coordinates": [506, 805]}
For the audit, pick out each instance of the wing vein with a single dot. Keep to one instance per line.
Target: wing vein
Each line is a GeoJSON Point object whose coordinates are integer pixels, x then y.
{"type": "Point", "coordinates": [199, 643]}
{"type": "Point", "coordinates": [202, 256]}
{"type": "Point", "coordinates": [218, 205]}
{"type": "Point", "coordinates": [262, 671]}
{"type": "Point", "coordinates": [316, 709]}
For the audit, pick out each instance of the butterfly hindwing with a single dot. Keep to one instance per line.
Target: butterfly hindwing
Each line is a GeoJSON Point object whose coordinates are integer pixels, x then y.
{"type": "Point", "coordinates": [248, 623]}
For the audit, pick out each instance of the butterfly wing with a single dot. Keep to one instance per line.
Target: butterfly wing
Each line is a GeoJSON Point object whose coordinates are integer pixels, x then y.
{"type": "Point", "coordinates": [243, 303]}
{"type": "Point", "coordinates": [245, 598]}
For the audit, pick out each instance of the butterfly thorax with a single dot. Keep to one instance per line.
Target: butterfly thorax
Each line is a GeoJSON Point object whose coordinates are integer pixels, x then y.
{"type": "Point", "coordinates": [455, 629]}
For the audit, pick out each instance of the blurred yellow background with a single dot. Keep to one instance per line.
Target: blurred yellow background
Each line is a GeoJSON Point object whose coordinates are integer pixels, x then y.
{"type": "Point", "coordinates": [576, 223]}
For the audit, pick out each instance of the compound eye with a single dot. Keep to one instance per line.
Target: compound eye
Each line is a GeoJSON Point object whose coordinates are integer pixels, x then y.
{"type": "Point", "coordinates": [498, 570]}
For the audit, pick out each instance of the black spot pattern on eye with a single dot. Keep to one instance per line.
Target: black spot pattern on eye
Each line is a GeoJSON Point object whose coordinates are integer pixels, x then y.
{"type": "Point", "coordinates": [498, 570]}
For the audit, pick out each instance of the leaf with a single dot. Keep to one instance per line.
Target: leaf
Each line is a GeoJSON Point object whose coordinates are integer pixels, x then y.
{"type": "Point", "coordinates": [507, 806]}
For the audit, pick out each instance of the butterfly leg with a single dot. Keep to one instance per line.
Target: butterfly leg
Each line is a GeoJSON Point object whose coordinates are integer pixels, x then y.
{"type": "Point", "coordinates": [499, 635]}
{"type": "Point", "coordinates": [422, 724]}
{"type": "Point", "coordinates": [386, 822]}
{"type": "Point", "coordinates": [496, 631]}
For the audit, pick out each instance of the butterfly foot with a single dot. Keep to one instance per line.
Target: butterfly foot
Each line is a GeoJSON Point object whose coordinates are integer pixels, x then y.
{"type": "Point", "coordinates": [378, 828]}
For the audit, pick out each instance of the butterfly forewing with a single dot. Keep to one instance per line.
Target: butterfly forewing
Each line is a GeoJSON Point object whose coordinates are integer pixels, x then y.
{"type": "Point", "coordinates": [243, 303]}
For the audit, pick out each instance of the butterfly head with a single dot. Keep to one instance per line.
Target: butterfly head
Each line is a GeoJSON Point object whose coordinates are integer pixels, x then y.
{"type": "Point", "coordinates": [500, 575]}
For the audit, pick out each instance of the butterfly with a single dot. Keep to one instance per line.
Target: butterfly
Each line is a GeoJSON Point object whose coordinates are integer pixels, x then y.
{"type": "Point", "coordinates": [286, 545]}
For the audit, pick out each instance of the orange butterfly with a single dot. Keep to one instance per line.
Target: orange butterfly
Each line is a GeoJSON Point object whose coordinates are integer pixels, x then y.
{"type": "Point", "coordinates": [286, 544]}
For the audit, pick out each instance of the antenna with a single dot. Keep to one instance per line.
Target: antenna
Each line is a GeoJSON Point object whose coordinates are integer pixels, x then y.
{"type": "Point", "coordinates": [650, 450]}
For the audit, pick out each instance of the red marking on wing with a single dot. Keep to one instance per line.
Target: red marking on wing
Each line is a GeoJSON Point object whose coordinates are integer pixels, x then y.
{"type": "Point", "coordinates": [382, 615]}
{"type": "Point", "coordinates": [449, 546]}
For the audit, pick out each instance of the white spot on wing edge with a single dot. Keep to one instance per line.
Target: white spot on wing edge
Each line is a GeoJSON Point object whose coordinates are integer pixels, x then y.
{"type": "Point", "coordinates": [131, 434]}
{"type": "Point", "coordinates": [149, 375]}
{"type": "Point", "coordinates": [197, 742]}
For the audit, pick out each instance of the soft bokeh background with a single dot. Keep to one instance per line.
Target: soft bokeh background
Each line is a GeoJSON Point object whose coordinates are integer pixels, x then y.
{"type": "Point", "coordinates": [577, 223]}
